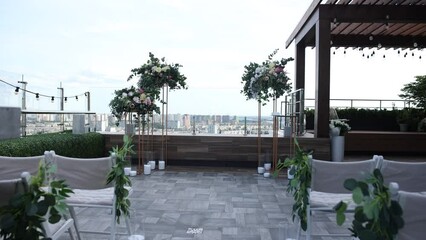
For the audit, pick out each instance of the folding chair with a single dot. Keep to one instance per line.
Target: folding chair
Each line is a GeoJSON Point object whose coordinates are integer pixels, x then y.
{"type": "Point", "coordinates": [414, 214]}
{"type": "Point", "coordinates": [8, 188]}
{"type": "Point", "coordinates": [11, 167]}
{"type": "Point", "coordinates": [327, 186]}
{"type": "Point", "coordinates": [87, 177]}
{"type": "Point", "coordinates": [410, 176]}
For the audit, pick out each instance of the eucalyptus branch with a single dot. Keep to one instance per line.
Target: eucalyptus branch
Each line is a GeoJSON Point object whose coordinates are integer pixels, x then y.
{"type": "Point", "coordinates": [121, 180]}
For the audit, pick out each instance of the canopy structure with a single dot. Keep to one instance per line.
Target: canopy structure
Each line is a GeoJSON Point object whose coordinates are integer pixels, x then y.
{"type": "Point", "coordinates": [399, 24]}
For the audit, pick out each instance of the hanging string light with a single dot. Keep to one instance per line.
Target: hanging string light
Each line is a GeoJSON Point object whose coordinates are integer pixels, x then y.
{"type": "Point", "coordinates": [38, 95]}
{"type": "Point", "coordinates": [53, 99]}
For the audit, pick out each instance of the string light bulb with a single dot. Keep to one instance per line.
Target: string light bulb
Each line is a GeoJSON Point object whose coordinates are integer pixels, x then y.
{"type": "Point", "coordinates": [37, 96]}
{"type": "Point", "coordinates": [52, 99]}
{"type": "Point", "coordinates": [16, 90]}
{"type": "Point", "coordinates": [66, 99]}
{"type": "Point", "coordinates": [76, 98]}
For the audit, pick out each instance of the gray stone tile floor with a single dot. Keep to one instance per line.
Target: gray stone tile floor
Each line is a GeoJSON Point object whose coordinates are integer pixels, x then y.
{"type": "Point", "coordinates": [227, 203]}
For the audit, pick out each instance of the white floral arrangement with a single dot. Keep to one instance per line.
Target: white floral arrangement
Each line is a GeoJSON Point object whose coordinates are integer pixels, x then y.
{"type": "Point", "coordinates": [266, 80]}
{"type": "Point", "coordinates": [341, 125]}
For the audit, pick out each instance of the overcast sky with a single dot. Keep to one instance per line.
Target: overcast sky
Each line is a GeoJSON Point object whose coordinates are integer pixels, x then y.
{"type": "Point", "coordinates": [93, 45]}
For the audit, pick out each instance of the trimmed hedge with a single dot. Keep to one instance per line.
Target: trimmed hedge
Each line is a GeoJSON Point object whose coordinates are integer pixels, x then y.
{"type": "Point", "coordinates": [371, 119]}
{"type": "Point", "coordinates": [89, 145]}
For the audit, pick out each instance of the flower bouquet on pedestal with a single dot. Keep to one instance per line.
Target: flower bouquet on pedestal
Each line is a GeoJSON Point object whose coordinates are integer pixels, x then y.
{"type": "Point", "coordinates": [338, 129]}
{"type": "Point", "coordinates": [156, 76]}
{"type": "Point", "coordinates": [266, 80]}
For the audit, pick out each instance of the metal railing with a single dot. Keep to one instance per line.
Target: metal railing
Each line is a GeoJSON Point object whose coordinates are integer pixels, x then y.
{"type": "Point", "coordinates": [292, 110]}
{"type": "Point", "coordinates": [57, 124]}
{"type": "Point", "coordinates": [379, 104]}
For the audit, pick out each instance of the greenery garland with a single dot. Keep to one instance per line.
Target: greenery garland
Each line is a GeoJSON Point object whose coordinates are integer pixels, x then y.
{"type": "Point", "coordinates": [376, 216]}
{"type": "Point", "coordinates": [22, 219]}
{"type": "Point", "coordinates": [300, 185]}
{"type": "Point", "coordinates": [121, 180]}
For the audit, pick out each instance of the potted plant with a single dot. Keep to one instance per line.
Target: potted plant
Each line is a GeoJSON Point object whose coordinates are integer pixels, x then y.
{"type": "Point", "coordinates": [300, 184]}
{"type": "Point", "coordinates": [22, 219]}
{"type": "Point", "coordinates": [403, 118]}
{"type": "Point", "coordinates": [377, 215]}
{"type": "Point", "coordinates": [338, 129]}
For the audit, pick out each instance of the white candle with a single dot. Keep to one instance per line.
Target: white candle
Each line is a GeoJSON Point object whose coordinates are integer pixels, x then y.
{"type": "Point", "coordinates": [147, 169]}
{"type": "Point", "coordinates": [161, 165]}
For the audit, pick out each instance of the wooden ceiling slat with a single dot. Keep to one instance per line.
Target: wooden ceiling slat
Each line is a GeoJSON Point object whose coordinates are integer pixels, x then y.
{"type": "Point", "coordinates": [355, 2]}
{"type": "Point", "coordinates": [381, 2]}
{"type": "Point", "coordinates": [394, 27]}
{"type": "Point", "coordinates": [422, 2]}
{"type": "Point", "coordinates": [363, 27]}
{"type": "Point", "coordinates": [339, 28]}
{"type": "Point", "coordinates": [410, 2]}
{"type": "Point", "coordinates": [402, 29]}
{"type": "Point", "coordinates": [350, 28]}
{"type": "Point", "coordinates": [344, 2]}
{"type": "Point", "coordinates": [420, 32]}
{"type": "Point", "coordinates": [414, 29]}
{"type": "Point", "coordinates": [385, 2]}
{"type": "Point", "coordinates": [370, 29]}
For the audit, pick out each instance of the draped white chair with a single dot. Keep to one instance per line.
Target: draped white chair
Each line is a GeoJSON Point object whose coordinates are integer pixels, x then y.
{"type": "Point", "coordinates": [11, 167]}
{"type": "Point", "coordinates": [10, 187]}
{"type": "Point", "coordinates": [327, 186]}
{"type": "Point", "coordinates": [413, 206]}
{"type": "Point", "coordinates": [87, 177]}
{"type": "Point", "coordinates": [410, 176]}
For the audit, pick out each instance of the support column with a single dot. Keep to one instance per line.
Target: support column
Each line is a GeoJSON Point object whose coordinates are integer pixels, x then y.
{"type": "Point", "coordinates": [300, 66]}
{"type": "Point", "coordinates": [322, 78]}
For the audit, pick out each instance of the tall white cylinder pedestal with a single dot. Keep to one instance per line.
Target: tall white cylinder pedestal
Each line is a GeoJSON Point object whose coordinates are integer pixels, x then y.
{"type": "Point", "coordinates": [337, 148]}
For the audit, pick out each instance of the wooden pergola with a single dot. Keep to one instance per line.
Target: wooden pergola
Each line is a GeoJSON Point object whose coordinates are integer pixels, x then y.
{"type": "Point", "coordinates": [397, 24]}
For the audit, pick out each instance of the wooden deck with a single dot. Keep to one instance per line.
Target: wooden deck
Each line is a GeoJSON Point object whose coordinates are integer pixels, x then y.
{"type": "Point", "coordinates": [223, 150]}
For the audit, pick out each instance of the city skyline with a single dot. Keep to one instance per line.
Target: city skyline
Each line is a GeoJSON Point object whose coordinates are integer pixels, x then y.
{"type": "Point", "coordinates": [92, 46]}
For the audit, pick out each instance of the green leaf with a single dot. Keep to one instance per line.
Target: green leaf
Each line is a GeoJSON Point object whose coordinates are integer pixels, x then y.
{"type": "Point", "coordinates": [50, 199]}
{"type": "Point", "coordinates": [31, 209]}
{"type": "Point", "coordinates": [340, 218]}
{"type": "Point", "coordinates": [378, 175]}
{"type": "Point", "coordinates": [357, 195]}
{"type": "Point", "coordinates": [54, 218]}
{"type": "Point", "coordinates": [367, 235]}
{"type": "Point", "coordinates": [364, 188]}
{"type": "Point", "coordinates": [350, 184]}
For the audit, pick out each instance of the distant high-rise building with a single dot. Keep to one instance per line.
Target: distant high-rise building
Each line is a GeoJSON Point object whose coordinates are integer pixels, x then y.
{"type": "Point", "coordinates": [186, 119]}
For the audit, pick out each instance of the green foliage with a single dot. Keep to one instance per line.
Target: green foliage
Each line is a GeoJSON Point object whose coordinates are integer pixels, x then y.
{"type": "Point", "coordinates": [299, 186]}
{"type": "Point", "coordinates": [155, 73]}
{"type": "Point", "coordinates": [120, 180]}
{"type": "Point", "coordinates": [376, 216]}
{"type": "Point", "coordinates": [266, 80]}
{"type": "Point", "coordinates": [372, 119]}
{"type": "Point", "coordinates": [404, 116]}
{"type": "Point", "coordinates": [65, 144]}
{"type": "Point", "coordinates": [22, 219]}
{"type": "Point", "coordinates": [415, 91]}
{"type": "Point", "coordinates": [132, 100]}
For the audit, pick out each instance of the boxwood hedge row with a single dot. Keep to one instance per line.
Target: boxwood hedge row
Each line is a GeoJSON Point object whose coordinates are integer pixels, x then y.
{"type": "Point", "coordinates": [65, 144]}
